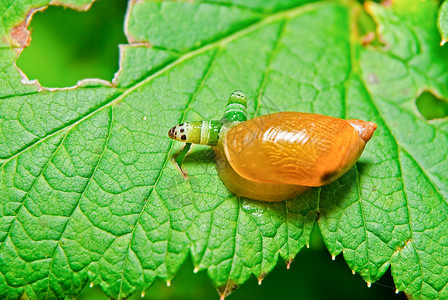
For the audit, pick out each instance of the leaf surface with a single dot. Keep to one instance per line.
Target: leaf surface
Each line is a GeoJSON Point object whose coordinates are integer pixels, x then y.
{"type": "Point", "coordinates": [88, 191]}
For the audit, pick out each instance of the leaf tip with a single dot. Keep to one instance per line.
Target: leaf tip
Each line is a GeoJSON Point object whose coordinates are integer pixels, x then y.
{"type": "Point", "coordinates": [369, 284]}
{"type": "Point", "coordinates": [353, 272]}
{"type": "Point", "coordinates": [397, 291]}
{"type": "Point", "coordinates": [91, 285]}
{"type": "Point", "coordinates": [226, 290]}
{"type": "Point", "coordinates": [261, 277]}
{"type": "Point", "coordinates": [195, 270]}
{"type": "Point", "coordinates": [288, 264]}
{"type": "Point", "coordinates": [333, 258]}
{"type": "Point", "coordinates": [142, 294]}
{"type": "Point", "coordinates": [442, 42]}
{"type": "Point", "coordinates": [168, 283]}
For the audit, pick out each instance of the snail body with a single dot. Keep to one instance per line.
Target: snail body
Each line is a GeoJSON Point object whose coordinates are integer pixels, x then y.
{"type": "Point", "coordinates": [279, 156]}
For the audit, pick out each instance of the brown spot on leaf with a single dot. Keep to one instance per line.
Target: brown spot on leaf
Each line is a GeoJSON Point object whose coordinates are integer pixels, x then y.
{"type": "Point", "coordinates": [368, 38]}
{"type": "Point", "coordinates": [20, 34]}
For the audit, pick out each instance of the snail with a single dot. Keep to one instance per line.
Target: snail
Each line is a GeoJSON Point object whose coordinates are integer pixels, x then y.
{"type": "Point", "coordinates": [277, 156]}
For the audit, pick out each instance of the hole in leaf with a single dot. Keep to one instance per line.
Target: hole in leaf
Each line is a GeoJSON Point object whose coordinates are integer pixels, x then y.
{"type": "Point", "coordinates": [431, 107]}
{"type": "Point", "coordinates": [69, 45]}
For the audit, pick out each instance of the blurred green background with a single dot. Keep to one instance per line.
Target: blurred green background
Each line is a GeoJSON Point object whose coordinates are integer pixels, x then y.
{"type": "Point", "coordinates": [68, 46]}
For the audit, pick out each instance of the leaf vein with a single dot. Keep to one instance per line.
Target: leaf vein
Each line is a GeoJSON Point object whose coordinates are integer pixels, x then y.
{"type": "Point", "coordinates": [8, 232]}
{"type": "Point", "coordinates": [82, 194]}
{"type": "Point", "coordinates": [190, 100]}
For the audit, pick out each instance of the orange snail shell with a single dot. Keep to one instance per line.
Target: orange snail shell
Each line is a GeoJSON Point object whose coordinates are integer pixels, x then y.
{"type": "Point", "coordinates": [278, 156]}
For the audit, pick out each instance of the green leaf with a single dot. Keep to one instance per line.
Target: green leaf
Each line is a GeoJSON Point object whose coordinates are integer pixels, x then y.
{"type": "Point", "coordinates": [88, 192]}
{"type": "Point", "coordinates": [420, 266]}
{"type": "Point", "coordinates": [442, 22]}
